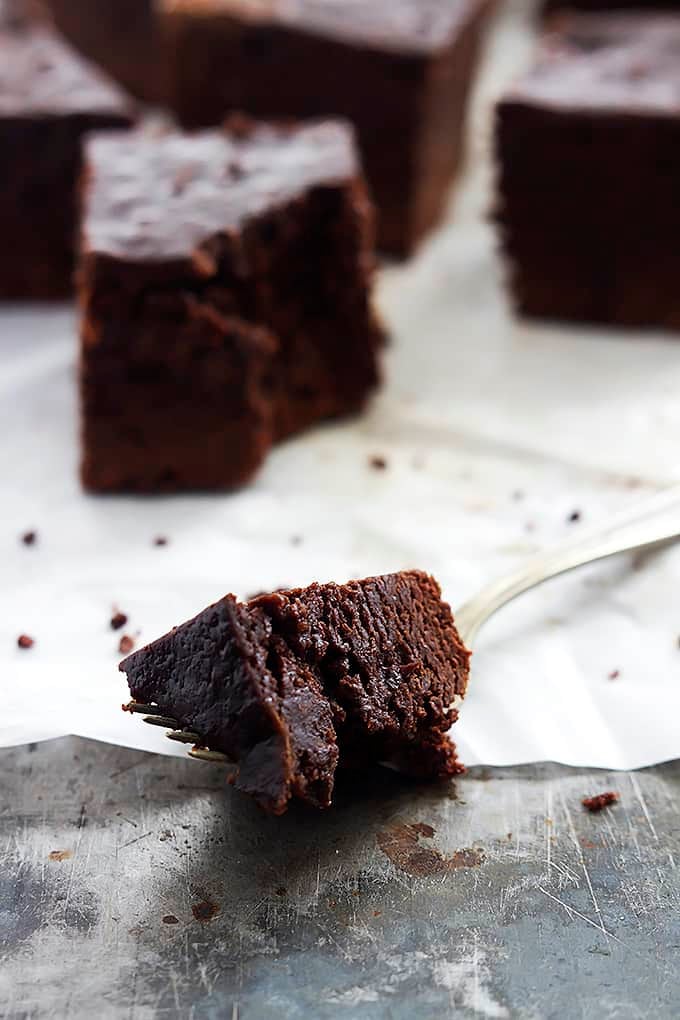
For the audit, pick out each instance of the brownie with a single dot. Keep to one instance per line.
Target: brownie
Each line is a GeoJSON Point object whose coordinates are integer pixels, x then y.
{"type": "Point", "coordinates": [119, 35]}
{"type": "Point", "coordinates": [588, 144]}
{"type": "Point", "coordinates": [49, 99]}
{"type": "Point", "coordinates": [225, 289]}
{"type": "Point", "coordinates": [399, 70]}
{"type": "Point", "coordinates": [295, 684]}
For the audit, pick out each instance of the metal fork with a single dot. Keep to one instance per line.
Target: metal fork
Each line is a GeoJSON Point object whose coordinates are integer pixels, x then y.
{"type": "Point", "coordinates": [635, 528]}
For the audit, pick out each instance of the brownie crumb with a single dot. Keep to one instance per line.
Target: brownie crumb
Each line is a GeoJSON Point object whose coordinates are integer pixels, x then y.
{"type": "Point", "coordinates": [615, 674]}
{"type": "Point", "coordinates": [170, 919]}
{"type": "Point", "coordinates": [574, 516]}
{"type": "Point", "coordinates": [378, 463]}
{"type": "Point", "coordinates": [118, 620]}
{"type": "Point", "coordinates": [24, 641]}
{"type": "Point", "coordinates": [160, 540]}
{"type": "Point", "coordinates": [126, 644]}
{"type": "Point", "coordinates": [29, 537]}
{"type": "Point", "coordinates": [600, 801]}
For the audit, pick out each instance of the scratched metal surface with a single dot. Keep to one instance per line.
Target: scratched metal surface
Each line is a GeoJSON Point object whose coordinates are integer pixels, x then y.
{"type": "Point", "coordinates": [138, 886]}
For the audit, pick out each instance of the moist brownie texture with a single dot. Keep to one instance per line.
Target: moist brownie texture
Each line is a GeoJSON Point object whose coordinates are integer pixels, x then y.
{"type": "Point", "coordinates": [400, 70]}
{"type": "Point", "coordinates": [49, 99]}
{"type": "Point", "coordinates": [588, 144]}
{"type": "Point", "coordinates": [250, 248]}
{"type": "Point", "coordinates": [295, 684]}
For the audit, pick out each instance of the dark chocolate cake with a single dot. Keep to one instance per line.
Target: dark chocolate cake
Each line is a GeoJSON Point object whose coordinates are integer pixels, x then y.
{"type": "Point", "coordinates": [50, 98]}
{"type": "Point", "coordinates": [295, 684]}
{"type": "Point", "coordinates": [588, 143]}
{"type": "Point", "coordinates": [399, 70]}
{"type": "Point", "coordinates": [190, 241]}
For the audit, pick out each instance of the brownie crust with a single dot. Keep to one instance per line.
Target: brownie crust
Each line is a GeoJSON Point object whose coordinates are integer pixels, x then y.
{"type": "Point", "coordinates": [295, 684]}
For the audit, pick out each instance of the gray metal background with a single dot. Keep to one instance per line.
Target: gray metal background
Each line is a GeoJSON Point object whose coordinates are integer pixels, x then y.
{"type": "Point", "coordinates": [138, 886]}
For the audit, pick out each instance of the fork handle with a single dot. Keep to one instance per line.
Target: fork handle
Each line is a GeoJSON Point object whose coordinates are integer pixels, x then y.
{"type": "Point", "coordinates": [635, 531]}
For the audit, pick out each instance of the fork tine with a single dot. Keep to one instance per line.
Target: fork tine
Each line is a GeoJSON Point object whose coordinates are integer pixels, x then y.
{"type": "Point", "coordinates": [184, 737]}
{"type": "Point", "coordinates": [204, 754]}
{"type": "Point", "coordinates": [137, 706]}
{"type": "Point", "coordinates": [161, 720]}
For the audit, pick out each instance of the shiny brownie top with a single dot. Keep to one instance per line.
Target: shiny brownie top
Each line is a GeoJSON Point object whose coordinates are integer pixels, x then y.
{"type": "Point", "coordinates": [621, 62]}
{"type": "Point", "coordinates": [157, 197]}
{"type": "Point", "coordinates": [42, 76]}
{"type": "Point", "coordinates": [403, 25]}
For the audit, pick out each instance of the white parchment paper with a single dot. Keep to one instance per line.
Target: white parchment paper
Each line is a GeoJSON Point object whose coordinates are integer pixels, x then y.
{"type": "Point", "coordinates": [494, 432]}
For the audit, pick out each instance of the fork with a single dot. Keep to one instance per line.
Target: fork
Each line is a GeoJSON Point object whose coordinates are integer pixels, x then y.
{"type": "Point", "coordinates": [636, 528]}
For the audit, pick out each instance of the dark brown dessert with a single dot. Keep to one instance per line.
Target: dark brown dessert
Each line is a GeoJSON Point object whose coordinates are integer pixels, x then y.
{"type": "Point", "coordinates": [294, 684]}
{"type": "Point", "coordinates": [399, 70]}
{"type": "Point", "coordinates": [49, 99]}
{"type": "Point", "coordinates": [119, 35]}
{"type": "Point", "coordinates": [589, 149]}
{"type": "Point", "coordinates": [225, 283]}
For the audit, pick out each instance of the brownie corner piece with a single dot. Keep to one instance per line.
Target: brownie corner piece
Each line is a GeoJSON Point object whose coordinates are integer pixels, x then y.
{"type": "Point", "coordinates": [194, 248]}
{"type": "Point", "coordinates": [49, 100]}
{"type": "Point", "coordinates": [295, 684]}
{"type": "Point", "coordinates": [588, 153]}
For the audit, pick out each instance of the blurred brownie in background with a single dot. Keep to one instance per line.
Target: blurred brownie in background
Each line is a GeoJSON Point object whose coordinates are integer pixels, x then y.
{"type": "Point", "coordinates": [225, 288]}
{"type": "Point", "coordinates": [119, 35]}
{"type": "Point", "coordinates": [588, 145]}
{"type": "Point", "coordinates": [49, 99]}
{"type": "Point", "coordinates": [400, 70]}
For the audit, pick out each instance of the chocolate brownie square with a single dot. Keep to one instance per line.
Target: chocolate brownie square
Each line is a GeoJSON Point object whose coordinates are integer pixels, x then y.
{"type": "Point", "coordinates": [49, 100]}
{"type": "Point", "coordinates": [293, 685]}
{"type": "Point", "coordinates": [588, 144]}
{"type": "Point", "coordinates": [225, 289]}
{"type": "Point", "coordinates": [399, 70]}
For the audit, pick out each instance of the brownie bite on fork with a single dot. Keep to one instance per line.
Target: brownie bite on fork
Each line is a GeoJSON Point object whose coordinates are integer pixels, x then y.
{"type": "Point", "coordinates": [298, 683]}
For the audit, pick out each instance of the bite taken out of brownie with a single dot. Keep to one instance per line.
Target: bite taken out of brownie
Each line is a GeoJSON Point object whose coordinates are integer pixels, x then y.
{"type": "Point", "coordinates": [588, 146]}
{"type": "Point", "coordinates": [296, 684]}
{"type": "Point", "coordinates": [50, 98]}
{"type": "Point", "coordinates": [400, 70]}
{"type": "Point", "coordinates": [225, 286]}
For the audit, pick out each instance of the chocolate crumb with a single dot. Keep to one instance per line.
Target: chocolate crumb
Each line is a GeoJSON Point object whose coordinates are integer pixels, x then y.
{"type": "Point", "coordinates": [600, 801]}
{"type": "Point", "coordinates": [118, 620]}
{"type": "Point", "coordinates": [126, 644]}
{"type": "Point", "coordinates": [574, 516]}
{"type": "Point", "coordinates": [615, 674]}
{"type": "Point", "coordinates": [281, 890]}
{"type": "Point", "coordinates": [170, 919]}
{"type": "Point", "coordinates": [378, 463]}
{"type": "Point", "coordinates": [160, 540]}
{"type": "Point", "coordinates": [24, 641]}
{"type": "Point", "coordinates": [29, 537]}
